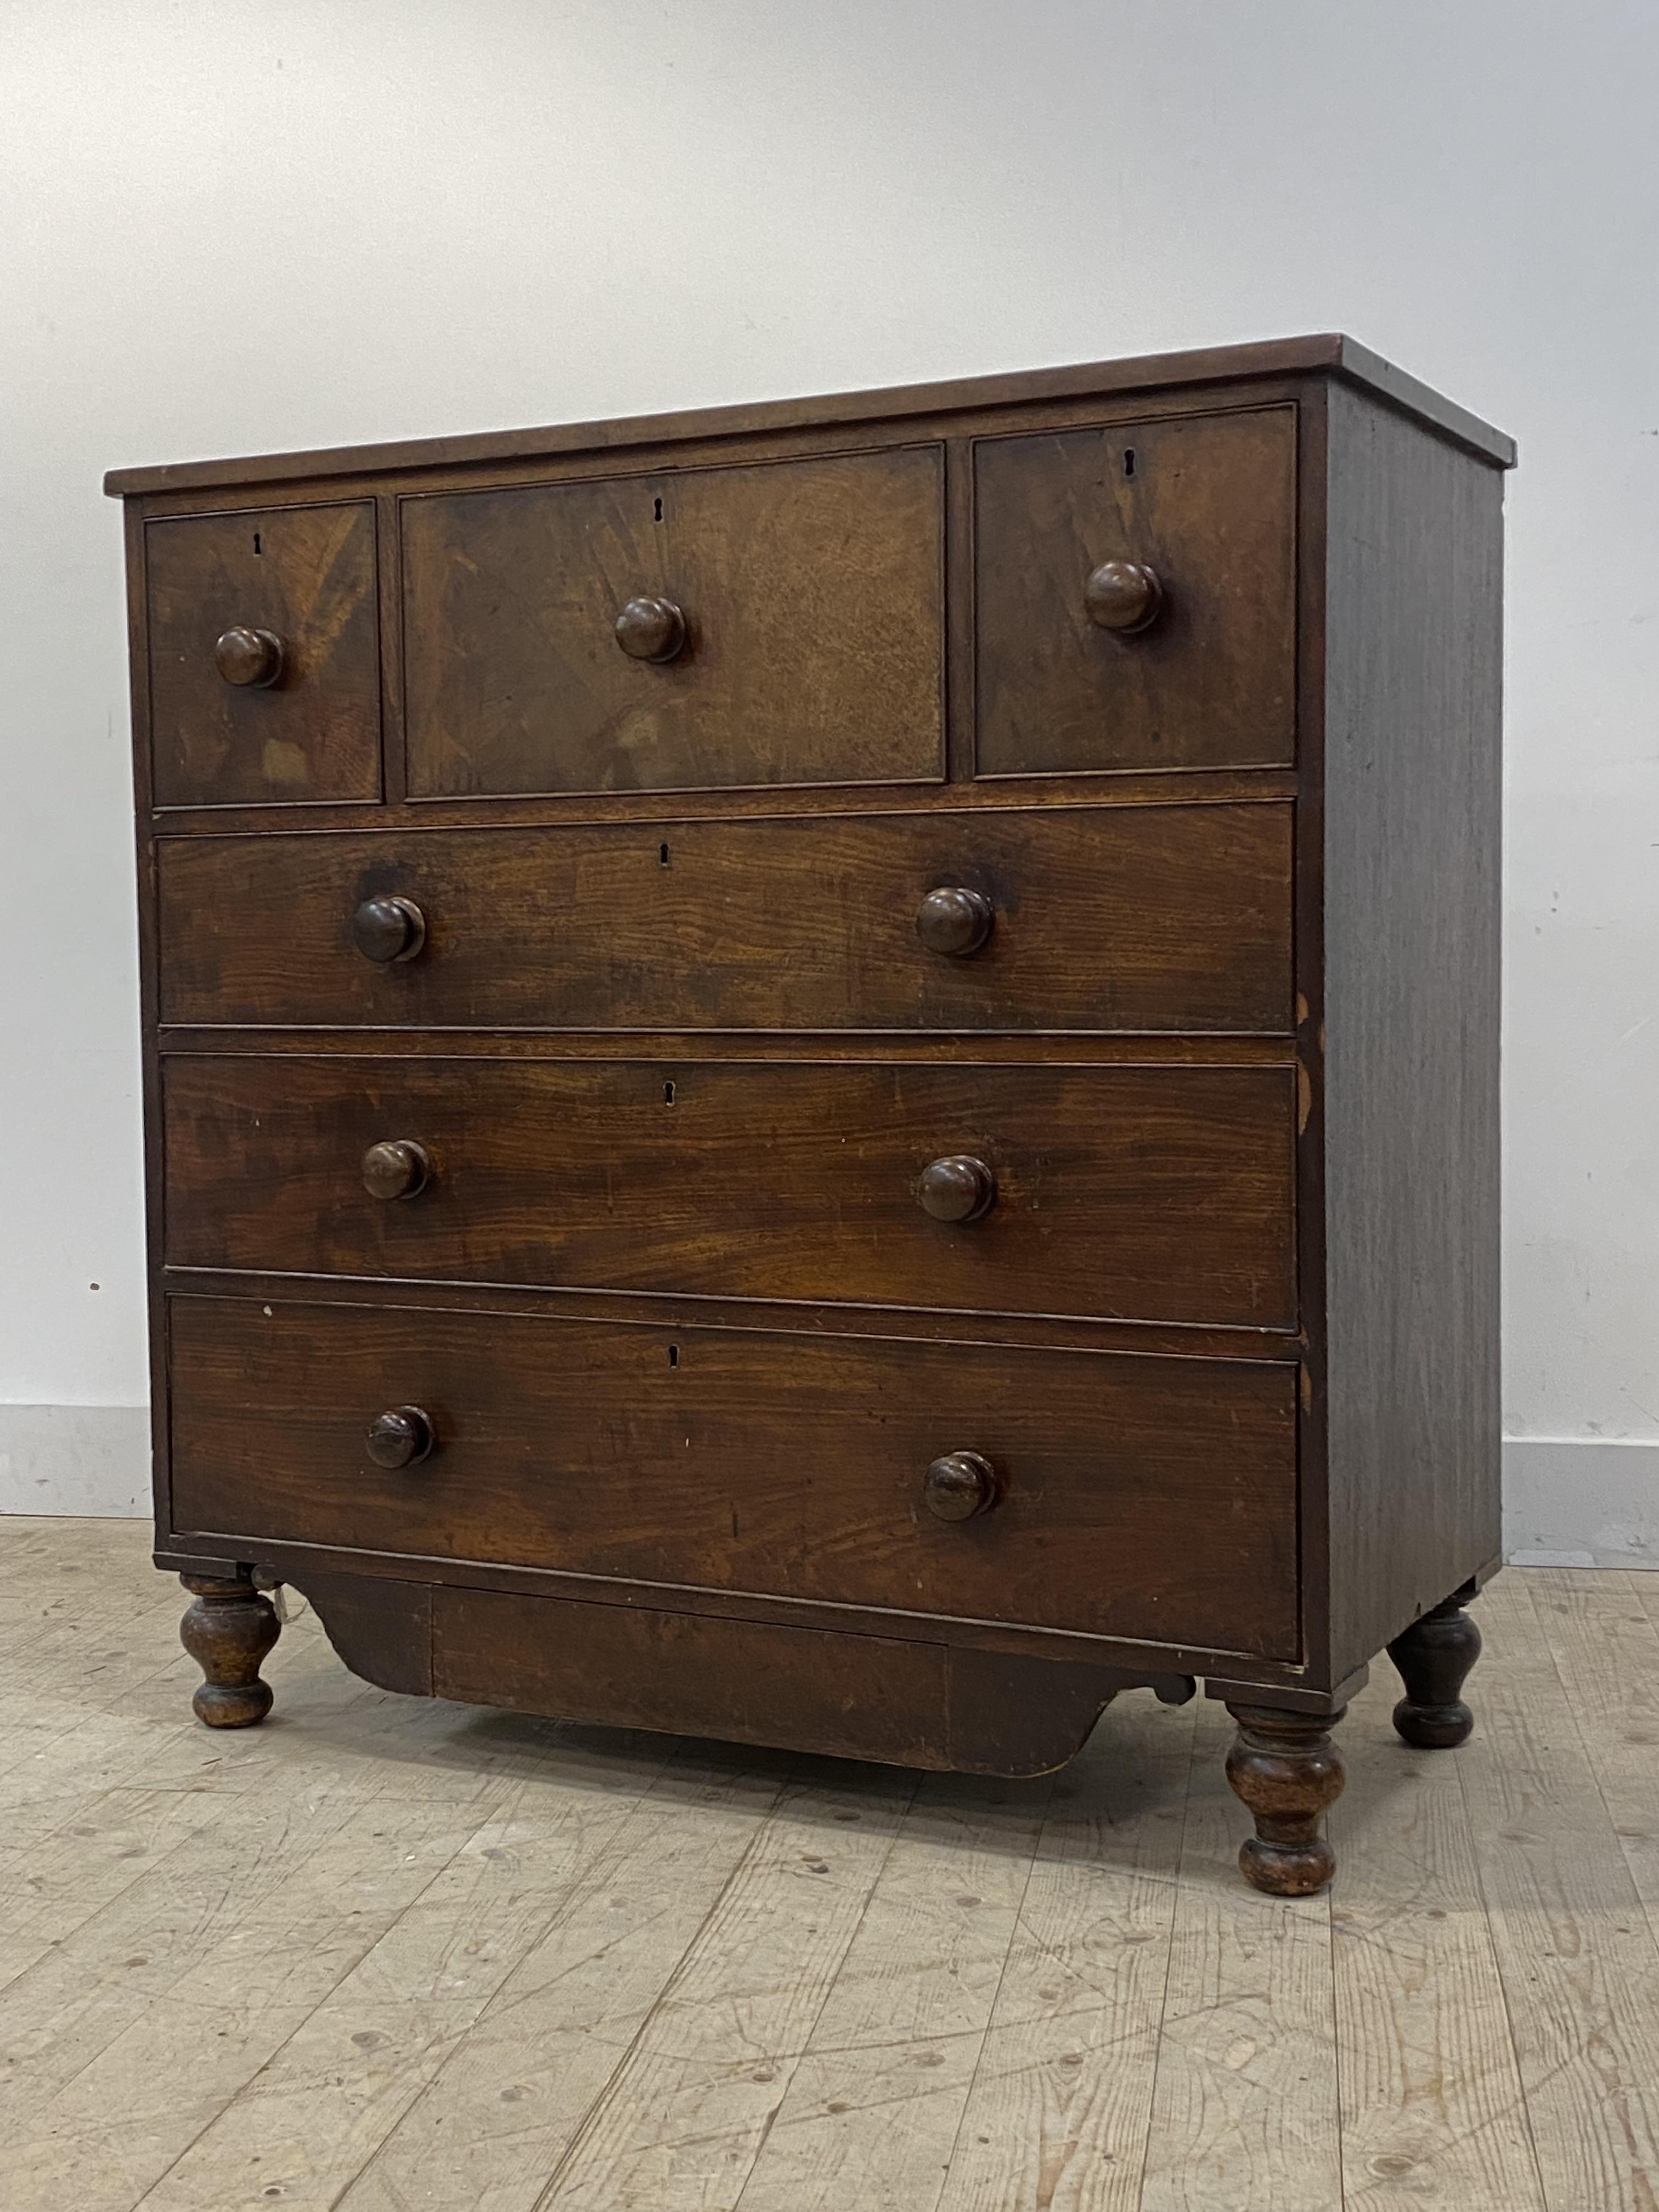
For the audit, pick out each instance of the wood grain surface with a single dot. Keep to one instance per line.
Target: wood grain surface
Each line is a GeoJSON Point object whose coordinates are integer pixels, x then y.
{"type": "Point", "coordinates": [1140, 1499]}
{"type": "Point", "coordinates": [306, 574]}
{"type": "Point", "coordinates": [885, 1020]}
{"type": "Point", "coordinates": [904, 1702]}
{"type": "Point", "coordinates": [1412, 829]}
{"type": "Point", "coordinates": [1169, 918]}
{"type": "Point", "coordinates": [1208, 503]}
{"type": "Point", "coordinates": [1320, 355]}
{"type": "Point", "coordinates": [1144, 1193]}
{"type": "Point", "coordinates": [812, 597]}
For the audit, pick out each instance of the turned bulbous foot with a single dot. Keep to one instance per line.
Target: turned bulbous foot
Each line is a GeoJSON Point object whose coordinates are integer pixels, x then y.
{"type": "Point", "coordinates": [1285, 1770]}
{"type": "Point", "coordinates": [228, 1632]}
{"type": "Point", "coordinates": [1434, 1657]}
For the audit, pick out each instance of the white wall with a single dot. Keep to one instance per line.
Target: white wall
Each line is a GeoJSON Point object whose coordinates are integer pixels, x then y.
{"type": "Point", "coordinates": [244, 224]}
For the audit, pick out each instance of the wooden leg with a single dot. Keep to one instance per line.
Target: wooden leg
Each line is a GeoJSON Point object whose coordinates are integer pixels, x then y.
{"type": "Point", "coordinates": [1285, 1770]}
{"type": "Point", "coordinates": [1433, 1655]}
{"type": "Point", "coordinates": [228, 1632]}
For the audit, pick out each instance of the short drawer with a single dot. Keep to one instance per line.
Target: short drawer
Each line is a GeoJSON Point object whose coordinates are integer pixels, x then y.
{"type": "Point", "coordinates": [1124, 1497]}
{"type": "Point", "coordinates": [776, 623]}
{"type": "Point", "coordinates": [1151, 1194]}
{"type": "Point", "coordinates": [1136, 595]}
{"type": "Point", "coordinates": [264, 657]}
{"type": "Point", "coordinates": [1099, 918]}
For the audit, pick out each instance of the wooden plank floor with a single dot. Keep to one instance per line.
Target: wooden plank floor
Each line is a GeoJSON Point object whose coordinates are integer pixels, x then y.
{"type": "Point", "coordinates": [383, 1954]}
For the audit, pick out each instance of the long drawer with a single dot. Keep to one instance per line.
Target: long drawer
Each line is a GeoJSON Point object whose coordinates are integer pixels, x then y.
{"type": "Point", "coordinates": [1157, 1193]}
{"type": "Point", "coordinates": [1116, 918]}
{"type": "Point", "coordinates": [1150, 1498]}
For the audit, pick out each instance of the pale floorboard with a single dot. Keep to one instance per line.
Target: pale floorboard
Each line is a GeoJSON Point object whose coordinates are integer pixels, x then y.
{"type": "Point", "coordinates": [871, 2112]}
{"type": "Point", "coordinates": [1605, 1642]}
{"type": "Point", "coordinates": [1432, 2106]}
{"type": "Point", "coordinates": [1244, 2105]}
{"type": "Point", "coordinates": [1579, 1966]}
{"type": "Point", "coordinates": [384, 1953]}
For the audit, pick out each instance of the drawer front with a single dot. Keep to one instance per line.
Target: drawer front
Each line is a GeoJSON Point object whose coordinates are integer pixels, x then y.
{"type": "Point", "coordinates": [1147, 1499]}
{"type": "Point", "coordinates": [1207, 504]}
{"type": "Point", "coordinates": [294, 720]}
{"type": "Point", "coordinates": [809, 595]}
{"type": "Point", "coordinates": [1140, 1194]}
{"type": "Point", "coordinates": [1125, 918]}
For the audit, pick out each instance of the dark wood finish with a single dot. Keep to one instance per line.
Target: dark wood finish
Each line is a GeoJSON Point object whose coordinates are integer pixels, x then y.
{"type": "Point", "coordinates": [382, 1629]}
{"type": "Point", "coordinates": [1145, 1499]}
{"type": "Point", "coordinates": [228, 1629]}
{"type": "Point", "coordinates": [865, 1697]}
{"type": "Point", "coordinates": [1058, 1333]}
{"type": "Point", "coordinates": [1125, 596]}
{"type": "Point", "coordinates": [388, 930]}
{"type": "Point", "coordinates": [996, 795]}
{"type": "Point", "coordinates": [851, 1697]}
{"type": "Point", "coordinates": [250, 656]}
{"type": "Point", "coordinates": [955, 920]}
{"type": "Point", "coordinates": [1288, 1694]}
{"type": "Point", "coordinates": [229, 727]}
{"type": "Point", "coordinates": [395, 1167]}
{"type": "Point", "coordinates": [1166, 918]}
{"type": "Point", "coordinates": [809, 644]}
{"type": "Point", "coordinates": [958, 1187]}
{"type": "Point", "coordinates": [651, 630]}
{"type": "Point", "coordinates": [134, 536]}
{"type": "Point", "coordinates": [1150, 1663]}
{"type": "Point", "coordinates": [959, 1484]}
{"type": "Point", "coordinates": [990, 711]}
{"type": "Point", "coordinates": [1434, 1657]}
{"type": "Point", "coordinates": [1327, 355]}
{"type": "Point", "coordinates": [1134, 595]}
{"type": "Point", "coordinates": [400, 1438]}
{"type": "Point", "coordinates": [895, 1048]}
{"type": "Point", "coordinates": [1146, 1194]}
{"type": "Point", "coordinates": [947, 1707]}
{"type": "Point", "coordinates": [1413, 823]}
{"type": "Point", "coordinates": [1287, 1772]}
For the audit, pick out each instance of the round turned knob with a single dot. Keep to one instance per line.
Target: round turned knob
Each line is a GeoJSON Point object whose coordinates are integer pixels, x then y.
{"type": "Point", "coordinates": [388, 929]}
{"type": "Point", "coordinates": [957, 1188]}
{"type": "Point", "coordinates": [1123, 596]}
{"type": "Point", "coordinates": [397, 1169]}
{"type": "Point", "coordinates": [400, 1436]}
{"type": "Point", "coordinates": [955, 920]}
{"type": "Point", "coordinates": [651, 630]}
{"type": "Point", "coordinates": [249, 656]}
{"type": "Point", "coordinates": [958, 1485]}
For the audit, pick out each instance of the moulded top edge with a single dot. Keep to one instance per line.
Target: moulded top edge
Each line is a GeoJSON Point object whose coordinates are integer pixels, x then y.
{"type": "Point", "coordinates": [1329, 352]}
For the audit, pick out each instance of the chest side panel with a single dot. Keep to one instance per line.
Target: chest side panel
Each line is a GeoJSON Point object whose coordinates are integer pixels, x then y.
{"type": "Point", "coordinates": [1411, 850]}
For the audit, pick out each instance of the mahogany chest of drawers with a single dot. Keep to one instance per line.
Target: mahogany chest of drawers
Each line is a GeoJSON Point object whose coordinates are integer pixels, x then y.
{"type": "Point", "coordinates": [826, 1073]}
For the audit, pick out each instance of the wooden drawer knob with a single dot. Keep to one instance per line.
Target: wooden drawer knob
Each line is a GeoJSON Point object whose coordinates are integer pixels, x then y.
{"type": "Point", "coordinates": [399, 1438]}
{"type": "Point", "coordinates": [958, 1485]}
{"type": "Point", "coordinates": [249, 656]}
{"type": "Point", "coordinates": [388, 929]}
{"type": "Point", "coordinates": [954, 920]}
{"type": "Point", "coordinates": [651, 630]}
{"type": "Point", "coordinates": [1123, 596]}
{"type": "Point", "coordinates": [957, 1188]}
{"type": "Point", "coordinates": [399, 1168]}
